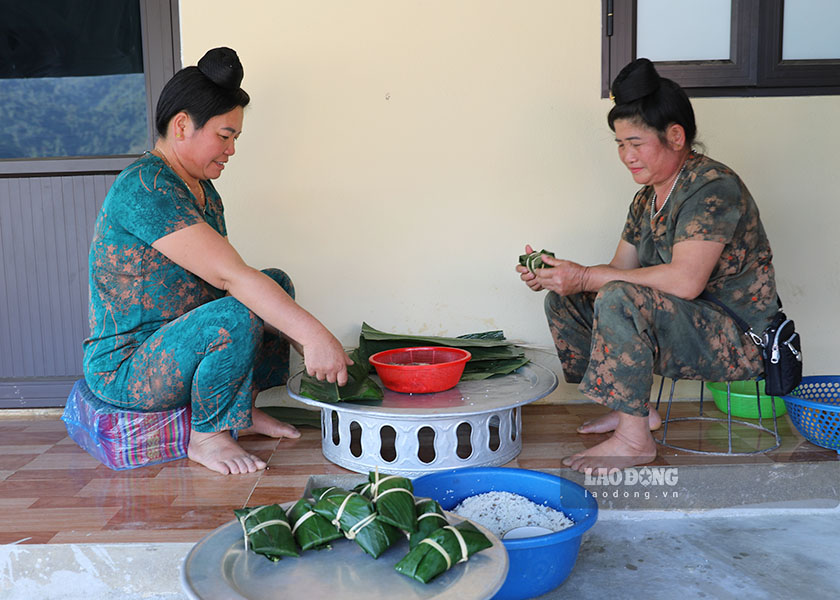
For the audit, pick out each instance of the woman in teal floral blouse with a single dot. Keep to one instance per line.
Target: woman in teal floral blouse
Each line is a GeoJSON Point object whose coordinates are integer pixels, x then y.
{"type": "Point", "coordinates": [177, 318]}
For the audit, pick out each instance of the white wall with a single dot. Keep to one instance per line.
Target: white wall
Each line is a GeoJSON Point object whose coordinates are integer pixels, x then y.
{"type": "Point", "coordinates": [398, 155]}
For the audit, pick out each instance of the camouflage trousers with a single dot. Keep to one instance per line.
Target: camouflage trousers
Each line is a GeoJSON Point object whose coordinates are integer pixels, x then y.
{"type": "Point", "coordinates": [613, 342]}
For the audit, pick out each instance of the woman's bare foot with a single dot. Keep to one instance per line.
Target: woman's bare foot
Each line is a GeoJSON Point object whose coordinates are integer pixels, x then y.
{"type": "Point", "coordinates": [609, 422]}
{"type": "Point", "coordinates": [264, 424]}
{"type": "Point", "coordinates": [219, 452]}
{"type": "Point", "coordinates": [630, 445]}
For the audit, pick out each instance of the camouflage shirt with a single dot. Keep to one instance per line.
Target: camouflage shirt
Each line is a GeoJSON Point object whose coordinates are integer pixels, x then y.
{"type": "Point", "coordinates": [711, 203]}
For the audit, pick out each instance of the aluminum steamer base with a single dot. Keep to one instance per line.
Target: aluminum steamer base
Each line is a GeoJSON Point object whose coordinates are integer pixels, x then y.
{"type": "Point", "coordinates": [474, 424]}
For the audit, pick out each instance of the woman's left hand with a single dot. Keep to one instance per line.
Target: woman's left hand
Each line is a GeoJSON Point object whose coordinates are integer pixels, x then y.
{"type": "Point", "coordinates": [564, 277]}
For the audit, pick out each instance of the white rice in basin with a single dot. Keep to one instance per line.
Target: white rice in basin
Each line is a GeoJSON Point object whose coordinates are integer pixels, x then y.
{"type": "Point", "coordinates": [502, 511]}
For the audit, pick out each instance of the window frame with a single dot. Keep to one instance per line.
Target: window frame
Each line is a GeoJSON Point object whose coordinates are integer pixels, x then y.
{"type": "Point", "coordinates": [160, 32]}
{"type": "Point", "coordinates": [755, 69]}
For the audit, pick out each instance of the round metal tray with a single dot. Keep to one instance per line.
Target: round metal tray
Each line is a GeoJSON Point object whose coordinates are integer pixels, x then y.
{"type": "Point", "coordinates": [219, 568]}
{"type": "Point", "coordinates": [476, 423]}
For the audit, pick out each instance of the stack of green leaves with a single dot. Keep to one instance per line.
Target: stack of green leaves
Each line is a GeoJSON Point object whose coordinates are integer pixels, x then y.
{"type": "Point", "coordinates": [357, 518]}
{"type": "Point", "coordinates": [442, 550]}
{"type": "Point", "coordinates": [491, 353]}
{"type": "Point", "coordinates": [393, 497]}
{"type": "Point", "coordinates": [267, 531]}
{"type": "Point", "coordinates": [310, 529]}
{"type": "Point", "coordinates": [534, 260]}
{"type": "Point", "coordinates": [430, 518]}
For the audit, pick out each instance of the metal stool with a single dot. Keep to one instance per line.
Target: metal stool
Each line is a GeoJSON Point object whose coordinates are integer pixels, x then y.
{"type": "Point", "coordinates": [728, 420]}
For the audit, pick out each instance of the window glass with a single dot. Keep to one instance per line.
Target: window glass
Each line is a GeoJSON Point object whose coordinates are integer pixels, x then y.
{"type": "Point", "coordinates": [809, 29]}
{"type": "Point", "coordinates": [71, 79]}
{"type": "Point", "coordinates": [669, 30]}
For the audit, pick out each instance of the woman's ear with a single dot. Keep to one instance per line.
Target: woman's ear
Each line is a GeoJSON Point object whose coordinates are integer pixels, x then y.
{"type": "Point", "coordinates": [675, 134]}
{"type": "Point", "coordinates": [179, 124]}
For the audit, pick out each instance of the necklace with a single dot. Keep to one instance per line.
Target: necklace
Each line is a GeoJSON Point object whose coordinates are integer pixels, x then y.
{"type": "Point", "coordinates": [653, 211]}
{"type": "Point", "coordinates": [200, 197]}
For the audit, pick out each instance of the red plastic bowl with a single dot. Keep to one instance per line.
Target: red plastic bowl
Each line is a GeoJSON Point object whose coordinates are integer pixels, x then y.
{"type": "Point", "coordinates": [421, 370]}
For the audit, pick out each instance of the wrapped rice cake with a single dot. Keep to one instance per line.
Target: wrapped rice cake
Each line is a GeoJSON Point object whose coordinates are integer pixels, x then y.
{"type": "Point", "coordinates": [357, 519]}
{"type": "Point", "coordinates": [430, 518]}
{"type": "Point", "coordinates": [310, 529]}
{"type": "Point", "coordinates": [534, 261]}
{"type": "Point", "coordinates": [393, 497]}
{"type": "Point", "coordinates": [267, 531]}
{"type": "Point", "coordinates": [442, 550]}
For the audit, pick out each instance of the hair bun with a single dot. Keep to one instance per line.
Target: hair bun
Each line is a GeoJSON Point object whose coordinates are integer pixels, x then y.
{"type": "Point", "coordinates": [222, 67]}
{"type": "Point", "coordinates": [636, 80]}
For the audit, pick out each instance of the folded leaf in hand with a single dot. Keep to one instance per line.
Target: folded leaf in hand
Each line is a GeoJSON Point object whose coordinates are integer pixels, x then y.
{"type": "Point", "coordinates": [430, 518]}
{"type": "Point", "coordinates": [442, 550]}
{"type": "Point", "coordinates": [359, 385]}
{"type": "Point", "coordinates": [393, 497]}
{"type": "Point", "coordinates": [357, 519]}
{"type": "Point", "coordinates": [267, 531]}
{"type": "Point", "coordinates": [534, 260]}
{"type": "Point", "coordinates": [310, 529]}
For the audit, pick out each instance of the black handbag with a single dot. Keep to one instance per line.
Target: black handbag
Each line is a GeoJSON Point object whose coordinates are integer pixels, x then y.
{"type": "Point", "coordinates": [781, 349]}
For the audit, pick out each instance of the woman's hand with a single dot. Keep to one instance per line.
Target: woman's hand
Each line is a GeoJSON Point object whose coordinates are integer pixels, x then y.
{"type": "Point", "coordinates": [525, 275]}
{"type": "Point", "coordinates": [564, 277]}
{"type": "Point", "coordinates": [324, 358]}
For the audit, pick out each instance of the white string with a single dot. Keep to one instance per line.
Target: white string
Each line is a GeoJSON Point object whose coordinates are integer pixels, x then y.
{"type": "Point", "coordinates": [440, 549]}
{"type": "Point", "coordinates": [247, 516]}
{"type": "Point", "coordinates": [378, 482]}
{"type": "Point", "coordinates": [265, 524]}
{"type": "Point", "coordinates": [304, 517]}
{"type": "Point", "coordinates": [357, 528]}
{"type": "Point", "coordinates": [253, 512]}
{"type": "Point", "coordinates": [337, 520]}
{"type": "Point", "coordinates": [326, 491]}
{"type": "Point", "coordinates": [396, 489]}
{"type": "Point", "coordinates": [432, 514]}
{"type": "Point", "coordinates": [461, 542]}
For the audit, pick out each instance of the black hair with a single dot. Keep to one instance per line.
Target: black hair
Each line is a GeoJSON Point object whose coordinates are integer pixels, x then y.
{"type": "Point", "coordinates": [204, 91]}
{"type": "Point", "coordinates": [641, 95]}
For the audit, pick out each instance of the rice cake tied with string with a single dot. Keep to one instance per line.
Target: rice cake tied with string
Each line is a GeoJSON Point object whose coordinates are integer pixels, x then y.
{"type": "Point", "coordinates": [356, 517]}
{"type": "Point", "coordinates": [393, 498]}
{"type": "Point", "coordinates": [267, 531]}
{"type": "Point", "coordinates": [442, 550]}
{"type": "Point", "coordinates": [430, 518]}
{"type": "Point", "coordinates": [310, 529]}
{"type": "Point", "coordinates": [534, 261]}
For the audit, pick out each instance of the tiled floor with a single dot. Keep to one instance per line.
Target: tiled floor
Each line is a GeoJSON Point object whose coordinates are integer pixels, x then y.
{"type": "Point", "coordinates": [51, 491]}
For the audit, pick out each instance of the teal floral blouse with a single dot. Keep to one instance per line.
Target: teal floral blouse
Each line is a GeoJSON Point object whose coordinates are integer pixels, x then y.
{"type": "Point", "coordinates": [134, 289]}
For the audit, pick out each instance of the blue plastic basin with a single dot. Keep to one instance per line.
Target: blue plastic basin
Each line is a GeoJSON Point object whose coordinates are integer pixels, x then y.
{"type": "Point", "coordinates": [537, 564]}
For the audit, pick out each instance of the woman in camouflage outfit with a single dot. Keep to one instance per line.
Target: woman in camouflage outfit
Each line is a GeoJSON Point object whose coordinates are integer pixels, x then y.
{"type": "Point", "coordinates": [693, 226]}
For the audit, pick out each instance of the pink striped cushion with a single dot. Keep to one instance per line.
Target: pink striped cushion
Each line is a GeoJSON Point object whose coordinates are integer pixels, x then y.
{"type": "Point", "coordinates": [123, 439]}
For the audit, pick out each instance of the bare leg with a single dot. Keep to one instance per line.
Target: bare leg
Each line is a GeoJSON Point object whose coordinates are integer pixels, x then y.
{"type": "Point", "coordinates": [219, 452]}
{"type": "Point", "coordinates": [609, 422]}
{"type": "Point", "coordinates": [630, 445]}
{"type": "Point", "coordinates": [263, 424]}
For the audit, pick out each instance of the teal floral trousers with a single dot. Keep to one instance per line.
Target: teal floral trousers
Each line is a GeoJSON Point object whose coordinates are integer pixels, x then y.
{"type": "Point", "coordinates": [214, 358]}
{"type": "Point", "coordinates": [613, 342]}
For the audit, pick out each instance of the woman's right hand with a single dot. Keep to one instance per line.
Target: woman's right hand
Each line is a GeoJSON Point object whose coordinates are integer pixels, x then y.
{"type": "Point", "coordinates": [525, 275]}
{"type": "Point", "coordinates": [325, 358]}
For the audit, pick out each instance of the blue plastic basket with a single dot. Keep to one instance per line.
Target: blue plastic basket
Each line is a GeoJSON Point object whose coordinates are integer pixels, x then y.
{"type": "Point", "coordinates": [539, 564]}
{"type": "Point", "coordinates": [814, 409]}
